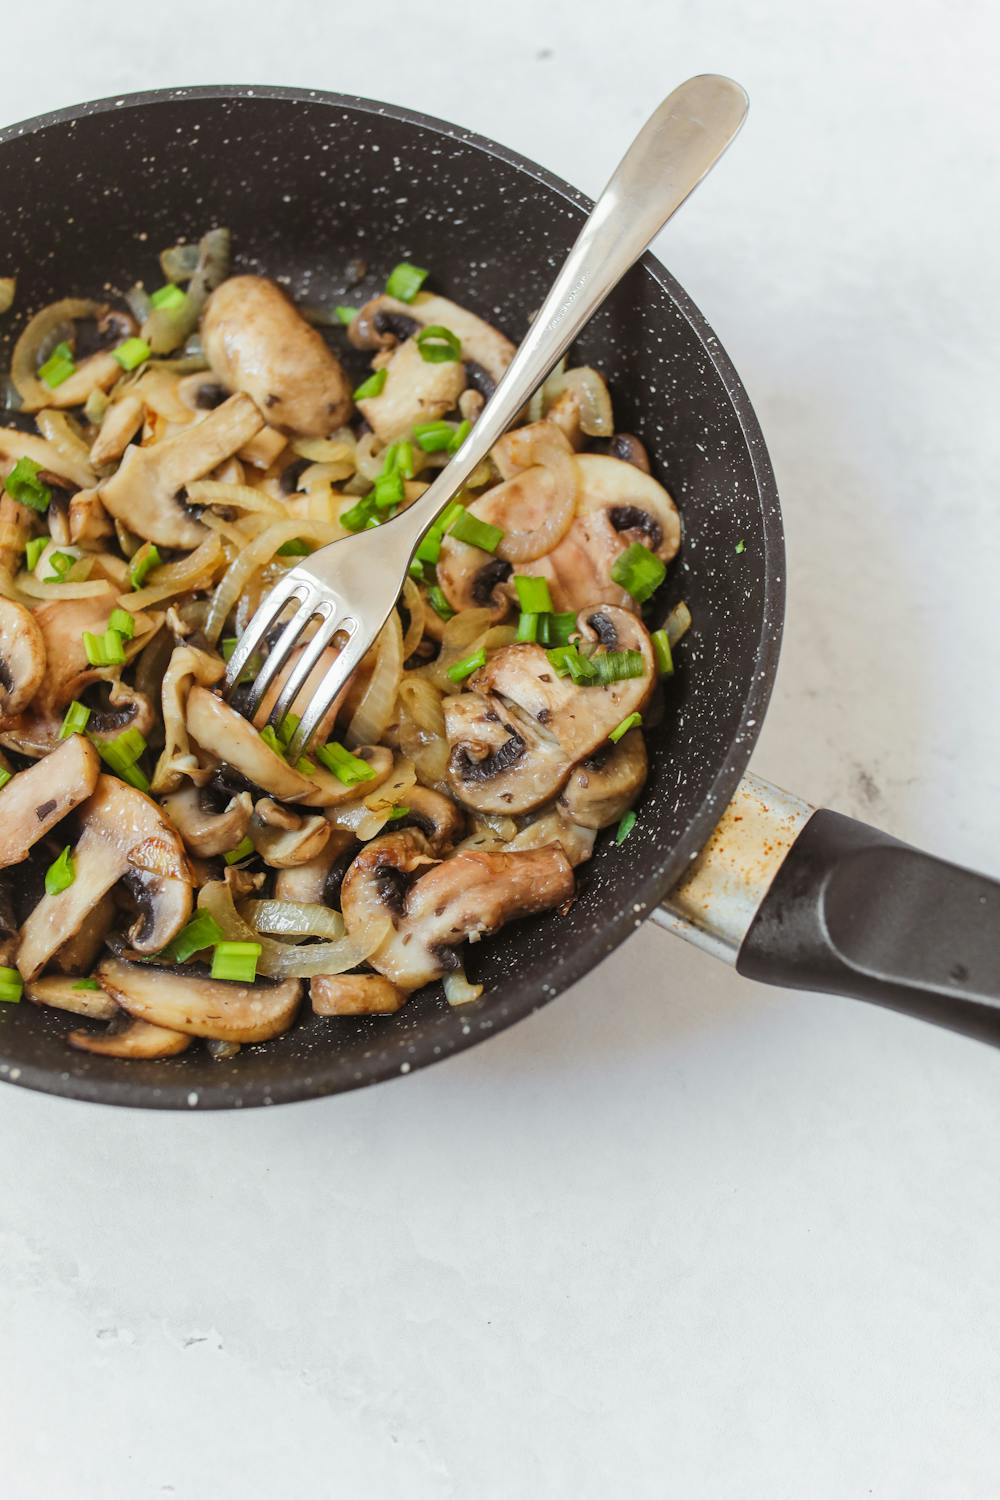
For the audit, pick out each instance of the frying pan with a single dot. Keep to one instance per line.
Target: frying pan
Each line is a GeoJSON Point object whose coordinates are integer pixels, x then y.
{"type": "Point", "coordinates": [311, 183]}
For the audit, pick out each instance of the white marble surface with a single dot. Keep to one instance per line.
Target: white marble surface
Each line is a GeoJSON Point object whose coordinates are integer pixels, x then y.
{"type": "Point", "coordinates": [676, 1235]}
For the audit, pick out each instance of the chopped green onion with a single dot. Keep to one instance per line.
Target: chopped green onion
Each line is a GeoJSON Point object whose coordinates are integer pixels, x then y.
{"type": "Point", "coordinates": [86, 984]}
{"type": "Point", "coordinates": [438, 345]}
{"type": "Point", "coordinates": [358, 516]}
{"type": "Point", "coordinates": [558, 629]}
{"type": "Point", "coordinates": [741, 546]}
{"type": "Point", "coordinates": [252, 667]}
{"type": "Point", "coordinates": [372, 386]}
{"type": "Point", "coordinates": [11, 986]}
{"type": "Point", "coordinates": [168, 296]}
{"type": "Point", "coordinates": [203, 931]}
{"type": "Point", "coordinates": [131, 353]}
{"type": "Point", "coordinates": [569, 661]}
{"type": "Point", "coordinates": [451, 513]}
{"type": "Point", "coordinates": [416, 570]}
{"type": "Point", "coordinates": [430, 546]}
{"type": "Point", "coordinates": [533, 595]}
{"type": "Point", "coordinates": [123, 622]}
{"type": "Point", "coordinates": [433, 437]}
{"type": "Point", "coordinates": [287, 727]}
{"type": "Point", "coordinates": [527, 627]}
{"type": "Point", "coordinates": [344, 314]}
{"type": "Point", "coordinates": [615, 666]}
{"type": "Point", "coordinates": [638, 571]}
{"type": "Point", "coordinates": [60, 875]}
{"type": "Point", "coordinates": [459, 436]}
{"type": "Point", "coordinates": [405, 281]}
{"type": "Point", "coordinates": [60, 563]}
{"type": "Point", "coordinates": [388, 490]}
{"type": "Point", "coordinates": [402, 459]}
{"type": "Point", "coordinates": [34, 550]}
{"type": "Point", "coordinates": [24, 485]}
{"type": "Point", "coordinates": [105, 650]}
{"type": "Point", "coordinates": [58, 367]}
{"type": "Point", "coordinates": [465, 668]}
{"type": "Point", "coordinates": [5, 776]}
{"type": "Point", "coordinates": [305, 766]}
{"type": "Point", "coordinates": [439, 604]}
{"type": "Point", "coordinates": [143, 562]}
{"type": "Point", "coordinates": [662, 652]}
{"type": "Point", "coordinates": [625, 826]}
{"type": "Point", "coordinates": [468, 528]}
{"type": "Point", "coordinates": [243, 850]}
{"type": "Point", "coordinates": [75, 720]}
{"type": "Point", "coordinates": [295, 548]}
{"type": "Point", "coordinates": [269, 735]}
{"type": "Point", "coordinates": [349, 769]}
{"type": "Point", "coordinates": [396, 812]}
{"type": "Point", "coordinates": [621, 730]}
{"type": "Point", "coordinates": [122, 755]}
{"type": "Point", "coordinates": [236, 961]}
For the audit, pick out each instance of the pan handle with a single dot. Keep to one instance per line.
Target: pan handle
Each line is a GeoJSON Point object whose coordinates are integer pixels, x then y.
{"type": "Point", "coordinates": [813, 900]}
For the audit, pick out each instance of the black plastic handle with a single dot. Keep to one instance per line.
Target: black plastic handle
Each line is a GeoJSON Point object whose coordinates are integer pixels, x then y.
{"type": "Point", "coordinates": [853, 911]}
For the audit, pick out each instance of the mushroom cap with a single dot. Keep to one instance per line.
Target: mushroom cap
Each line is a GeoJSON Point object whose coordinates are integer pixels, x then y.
{"type": "Point", "coordinates": [39, 797]}
{"type": "Point", "coordinates": [355, 995]}
{"type": "Point", "coordinates": [22, 658]}
{"type": "Point", "coordinates": [415, 390]}
{"type": "Point", "coordinates": [439, 819]}
{"type": "Point", "coordinates": [499, 760]}
{"type": "Point", "coordinates": [281, 848]}
{"type": "Point", "coordinates": [384, 321]}
{"type": "Point", "coordinates": [59, 991]}
{"type": "Point", "coordinates": [62, 624]}
{"type": "Point", "coordinates": [136, 1039]}
{"type": "Point", "coordinates": [224, 733]}
{"type": "Point", "coordinates": [207, 832]}
{"type": "Point", "coordinates": [186, 999]}
{"type": "Point", "coordinates": [602, 788]}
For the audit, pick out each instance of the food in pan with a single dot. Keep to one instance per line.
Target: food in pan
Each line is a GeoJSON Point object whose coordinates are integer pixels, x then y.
{"type": "Point", "coordinates": [164, 868]}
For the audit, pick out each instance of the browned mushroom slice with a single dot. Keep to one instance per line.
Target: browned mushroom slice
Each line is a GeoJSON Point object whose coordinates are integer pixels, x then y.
{"type": "Point", "coordinates": [205, 829]}
{"type": "Point", "coordinates": [415, 390]}
{"type": "Point", "coordinates": [62, 624]}
{"type": "Point", "coordinates": [605, 785]}
{"type": "Point", "coordinates": [80, 953]}
{"type": "Point", "coordinates": [499, 760]}
{"type": "Point", "coordinates": [183, 999]}
{"type": "Point", "coordinates": [87, 519]}
{"type": "Point", "coordinates": [67, 992]}
{"type": "Point", "coordinates": [15, 444]}
{"type": "Point", "coordinates": [257, 342]}
{"type": "Point", "coordinates": [122, 421]}
{"type": "Point", "coordinates": [435, 909]}
{"type": "Point", "coordinates": [123, 831]}
{"type": "Point", "coordinates": [281, 848]}
{"type": "Point", "coordinates": [143, 491]}
{"type": "Point", "coordinates": [306, 693]}
{"type": "Point", "coordinates": [36, 799]}
{"type": "Point", "coordinates": [22, 658]}
{"type": "Point", "coordinates": [136, 1040]}
{"type": "Point", "coordinates": [224, 733]}
{"type": "Point", "coordinates": [440, 821]}
{"type": "Point", "coordinates": [355, 995]}
{"type": "Point", "coordinates": [385, 321]}
{"type": "Point", "coordinates": [553, 827]}
{"type": "Point", "coordinates": [318, 881]}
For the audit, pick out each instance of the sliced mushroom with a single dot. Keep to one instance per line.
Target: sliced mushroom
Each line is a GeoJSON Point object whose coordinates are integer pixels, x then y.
{"type": "Point", "coordinates": [186, 999]}
{"type": "Point", "coordinates": [312, 882]}
{"type": "Point", "coordinates": [143, 490]}
{"type": "Point", "coordinates": [282, 848]}
{"type": "Point", "coordinates": [79, 954]}
{"type": "Point", "coordinates": [87, 519]}
{"type": "Point", "coordinates": [15, 529]}
{"type": "Point", "coordinates": [415, 390]}
{"type": "Point", "coordinates": [187, 666]}
{"type": "Point", "coordinates": [10, 937]}
{"type": "Point", "coordinates": [125, 709]}
{"type": "Point", "coordinates": [306, 693]}
{"type": "Point", "coordinates": [603, 787]}
{"type": "Point", "coordinates": [38, 798]}
{"type": "Point", "coordinates": [122, 421]}
{"type": "Point", "coordinates": [552, 827]}
{"type": "Point", "coordinates": [434, 909]}
{"type": "Point", "coordinates": [257, 342]}
{"type": "Point", "coordinates": [224, 733]}
{"type": "Point", "coordinates": [355, 995]}
{"type": "Point", "coordinates": [62, 624]}
{"type": "Point", "coordinates": [123, 831]}
{"type": "Point", "coordinates": [262, 450]}
{"type": "Point", "coordinates": [630, 449]}
{"type": "Point", "coordinates": [61, 992]}
{"type": "Point", "coordinates": [135, 1040]}
{"type": "Point", "coordinates": [98, 372]}
{"type": "Point", "coordinates": [22, 658]}
{"type": "Point", "coordinates": [440, 821]}
{"type": "Point", "coordinates": [15, 444]}
{"type": "Point", "coordinates": [472, 579]}
{"type": "Point", "coordinates": [499, 760]}
{"type": "Point", "coordinates": [385, 321]}
{"type": "Point", "coordinates": [205, 830]}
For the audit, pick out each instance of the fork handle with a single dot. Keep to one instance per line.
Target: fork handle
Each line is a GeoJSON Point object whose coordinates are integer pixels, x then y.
{"type": "Point", "coordinates": [673, 151]}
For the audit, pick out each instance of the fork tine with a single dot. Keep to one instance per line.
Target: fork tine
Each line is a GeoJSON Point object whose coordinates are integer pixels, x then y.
{"type": "Point", "coordinates": [328, 689]}
{"type": "Point", "coordinates": [265, 615]}
{"type": "Point", "coordinates": [282, 649]}
{"type": "Point", "coordinates": [306, 662]}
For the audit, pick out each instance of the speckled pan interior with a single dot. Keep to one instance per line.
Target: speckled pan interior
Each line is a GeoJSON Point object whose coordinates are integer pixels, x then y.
{"type": "Point", "coordinates": [309, 183]}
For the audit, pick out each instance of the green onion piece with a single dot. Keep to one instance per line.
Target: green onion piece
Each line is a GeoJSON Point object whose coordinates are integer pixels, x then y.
{"type": "Point", "coordinates": [344, 314]}
{"type": "Point", "coordinates": [533, 595]}
{"type": "Point", "coordinates": [349, 769]}
{"type": "Point", "coordinates": [372, 386]}
{"type": "Point", "coordinates": [60, 875]}
{"type": "Point", "coordinates": [130, 746]}
{"type": "Point", "coordinates": [451, 513]}
{"type": "Point", "coordinates": [459, 436]}
{"type": "Point", "coordinates": [741, 546]}
{"type": "Point", "coordinates": [11, 986]}
{"type": "Point", "coordinates": [24, 485]}
{"type": "Point", "coordinates": [621, 730]}
{"type": "Point", "coordinates": [403, 461]}
{"type": "Point", "coordinates": [252, 667]}
{"type": "Point", "coordinates": [416, 570]}
{"type": "Point", "coordinates": [439, 603]}
{"type": "Point", "coordinates": [615, 666]}
{"type": "Point", "coordinates": [75, 720]}
{"type": "Point", "coordinates": [58, 367]}
{"type": "Point", "coordinates": [569, 661]}
{"type": "Point", "coordinates": [60, 563]}
{"type": "Point", "coordinates": [468, 528]}
{"type": "Point", "coordinates": [123, 622]}
{"type": "Point", "coordinates": [270, 738]}
{"type": "Point", "coordinates": [438, 345]}
{"type": "Point", "coordinates": [358, 516]}
{"type": "Point", "coordinates": [433, 437]}
{"type": "Point", "coordinates": [625, 826]}
{"type": "Point", "coordinates": [203, 931]}
{"type": "Point", "coordinates": [463, 669]}
{"type": "Point", "coordinates": [168, 296]}
{"type": "Point", "coordinates": [5, 776]}
{"type": "Point", "coordinates": [405, 281]}
{"type": "Point", "coordinates": [430, 546]}
{"type": "Point", "coordinates": [132, 352]}
{"type": "Point", "coordinates": [295, 548]}
{"type": "Point", "coordinates": [287, 727]}
{"type": "Point", "coordinates": [34, 550]}
{"type": "Point", "coordinates": [242, 851]}
{"type": "Point", "coordinates": [236, 961]}
{"type": "Point", "coordinates": [143, 562]}
{"type": "Point", "coordinates": [122, 755]}
{"type": "Point", "coordinates": [638, 571]}
{"type": "Point", "coordinates": [397, 811]}
{"type": "Point", "coordinates": [305, 766]}
{"type": "Point", "coordinates": [558, 629]}
{"type": "Point", "coordinates": [388, 490]}
{"type": "Point", "coordinates": [662, 652]}
{"type": "Point", "coordinates": [86, 984]}
{"type": "Point", "coordinates": [107, 650]}
{"type": "Point", "coordinates": [527, 627]}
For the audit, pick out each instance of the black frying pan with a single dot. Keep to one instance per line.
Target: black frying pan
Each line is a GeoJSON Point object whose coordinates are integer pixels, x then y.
{"type": "Point", "coordinates": [309, 183]}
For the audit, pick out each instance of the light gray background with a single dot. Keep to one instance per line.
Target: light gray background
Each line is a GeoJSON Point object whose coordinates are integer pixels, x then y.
{"type": "Point", "coordinates": [677, 1235]}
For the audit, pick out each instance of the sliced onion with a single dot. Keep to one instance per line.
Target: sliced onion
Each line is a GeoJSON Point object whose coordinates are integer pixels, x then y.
{"type": "Point", "coordinates": [536, 406]}
{"type": "Point", "coordinates": [458, 990]}
{"type": "Point", "coordinates": [339, 451]}
{"type": "Point", "coordinates": [294, 919]}
{"type": "Point", "coordinates": [28, 584]}
{"type": "Point", "coordinates": [378, 700]}
{"type": "Point", "coordinates": [596, 415]}
{"type": "Point", "coordinates": [239, 496]}
{"type": "Point", "coordinates": [282, 960]}
{"type": "Point", "coordinates": [28, 351]}
{"type": "Point", "coordinates": [256, 555]}
{"type": "Point", "coordinates": [367, 816]}
{"type": "Point", "coordinates": [416, 609]}
{"type": "Point", "coordinates": [14, 445]}
{"type": "Point", "coordinates": [179, 263]}
{"type": "Point", "coordinates": [166, 328]}
{"type": "Point", "coordinates": [369, 457]}
{"type": "Point", "coordinates": [555, 457]}
{"type": "Point", "coordinates": [187, 666]}
{"type": "Point", "coordinates": [678, 623]}
{"type": "Point", "coordinates": [192, 572]}
{"type": "Point", "coordinates": [138, 302]}
{"type": "Point", "coordinates": [59, 428]}
{"type": "Point", "coordinates": [235, 533]}
{"type": "Point", "coordinates": [421, 729]}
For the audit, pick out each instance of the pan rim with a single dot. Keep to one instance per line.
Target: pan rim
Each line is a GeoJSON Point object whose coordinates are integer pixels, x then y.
{"type": "Point", "coordinates": [665, 869]}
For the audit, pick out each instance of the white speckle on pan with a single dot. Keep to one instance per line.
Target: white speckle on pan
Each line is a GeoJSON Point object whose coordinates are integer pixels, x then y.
{"type": "Point", "coordinates": [404, 1067]}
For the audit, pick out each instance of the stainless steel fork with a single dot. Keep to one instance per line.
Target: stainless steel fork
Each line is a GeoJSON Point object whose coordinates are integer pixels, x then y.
{"type": "Point", "coordinates": [351, 586]}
